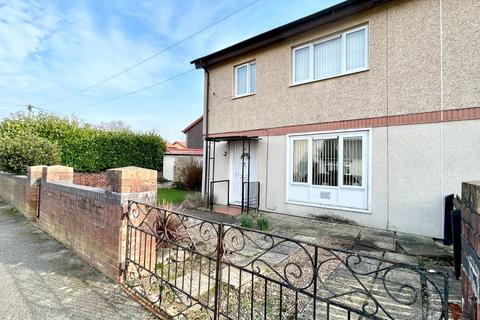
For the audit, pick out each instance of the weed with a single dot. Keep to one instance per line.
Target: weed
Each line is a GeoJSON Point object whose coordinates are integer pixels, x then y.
{"type": "Point", "coordinates": [246, 221]}
{"type": "Point", "coordinates": [262, 223]}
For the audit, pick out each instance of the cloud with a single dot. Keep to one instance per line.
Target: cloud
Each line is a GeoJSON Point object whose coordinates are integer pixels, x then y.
{"type": "Point", "coordinates": [51, 48]}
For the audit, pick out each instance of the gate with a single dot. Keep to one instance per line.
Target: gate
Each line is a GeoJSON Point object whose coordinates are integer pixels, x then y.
{"type": "Point", "coordinates": [191, 268]}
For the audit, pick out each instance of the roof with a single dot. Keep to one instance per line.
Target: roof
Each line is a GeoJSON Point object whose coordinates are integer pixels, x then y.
{"type": "Point", "coordinates": [320, 18]}
{"type": "Point", "coordinates": [232, 138]}
{"type": "Point", "coordinates": [185, 152]}
{"type": "Point", "coordinates": [191, 125]}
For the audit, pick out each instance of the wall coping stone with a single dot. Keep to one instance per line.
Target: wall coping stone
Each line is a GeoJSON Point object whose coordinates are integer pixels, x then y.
{"type": "Point", "coordinates": [84, 191]}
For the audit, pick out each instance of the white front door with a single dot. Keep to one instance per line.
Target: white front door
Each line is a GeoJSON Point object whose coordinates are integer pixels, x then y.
{"type": "Point", "coordinates": [236, 154]}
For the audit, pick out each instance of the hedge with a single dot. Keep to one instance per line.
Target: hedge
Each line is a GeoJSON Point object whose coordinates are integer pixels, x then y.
{"type": "Point", "coordinates": [88, 148]}
{"type": "Point", "coordinates": [23, 150]}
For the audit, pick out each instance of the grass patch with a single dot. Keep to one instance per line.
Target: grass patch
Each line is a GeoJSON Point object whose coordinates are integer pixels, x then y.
{"type": "Point", "coordinates": [171, 195]}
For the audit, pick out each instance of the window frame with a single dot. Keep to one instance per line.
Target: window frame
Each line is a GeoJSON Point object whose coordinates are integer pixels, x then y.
{"type": "Point", "coordinates": [365, 133]}
{"type": "Point", "coordinates": [311, 45]}
{"type": "Point", "coordinates": [249, 79]}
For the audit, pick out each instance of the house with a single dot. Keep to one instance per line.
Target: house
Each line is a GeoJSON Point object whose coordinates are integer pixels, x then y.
{"type": "Point", "coordinates": [194, 134]}
{"type": "Point", "coordinates": [367, 110]}
{"type": "Point", "coordinates": [176, 145]}
{"type": "Point", "coordinates": [179, 153]}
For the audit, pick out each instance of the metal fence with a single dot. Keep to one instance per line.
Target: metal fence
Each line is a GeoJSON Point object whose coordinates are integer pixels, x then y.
{"type": "Point", "coordinates": [192, 268]}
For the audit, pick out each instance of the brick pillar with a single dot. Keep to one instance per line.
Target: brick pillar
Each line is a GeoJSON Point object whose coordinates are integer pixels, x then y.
{"type": "Point", "coordinates": [137, 184]}
{"type": "Point", "coordinates": [34, 173]}
{"type": "Point", "coordinates": [57, 174]}
{"type": "Point", "coordinates": [470, 271]}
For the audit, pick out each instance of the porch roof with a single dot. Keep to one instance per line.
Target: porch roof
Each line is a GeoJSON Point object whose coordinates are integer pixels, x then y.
{"type": "Point", "coordinates": [232, 138]}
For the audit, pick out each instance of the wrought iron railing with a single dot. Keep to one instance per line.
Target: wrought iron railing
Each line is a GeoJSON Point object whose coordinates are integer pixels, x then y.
{"type": "Point", "coordinates": [193, 268]}
{"type": "Point", "coordinates": [251, 196]}
{"type": "Point", "coordinates": [211, 195]}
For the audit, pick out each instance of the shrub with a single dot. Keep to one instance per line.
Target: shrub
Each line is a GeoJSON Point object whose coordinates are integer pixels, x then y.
{"type": "Point", "coordinates": [246, 221]}
{"type": "Point", "coordinates": [88, 148]}
{"type": "Point", "coordinates": [169, 227]}
{"type": "Point", "coordinates": [25, 149]}
{"type": "Point", "coordinates": [193, 201]}
{"type": "Point", "coordinates": [190, 174]}
{"type": "Point", "coordinates": [262, 223]}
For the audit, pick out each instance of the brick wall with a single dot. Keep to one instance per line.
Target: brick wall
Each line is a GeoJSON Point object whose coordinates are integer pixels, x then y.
{"type": "Point", "coordinates": [470, 272]}
{"type": "Point", "coordinates": [22, 191]}
{"type": "Point", "coordinates": [91, 179]}
{"type": "Point", "coordinates": [91, 221]}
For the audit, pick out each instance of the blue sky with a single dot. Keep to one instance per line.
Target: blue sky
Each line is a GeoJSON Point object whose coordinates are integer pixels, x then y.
{"type": "Point", "coordinates": [51, 48]}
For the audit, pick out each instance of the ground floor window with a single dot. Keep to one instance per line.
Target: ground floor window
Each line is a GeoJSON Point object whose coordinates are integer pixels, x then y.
{"type": "Point", "coordinates": [329, 169]}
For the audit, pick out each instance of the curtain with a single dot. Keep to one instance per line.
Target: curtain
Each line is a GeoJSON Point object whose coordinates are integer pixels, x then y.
{"type": "Point", "coordinates": [355, 50]}
{"type": "Point", "coordinates": [300, 161]}
{"type": "Point", "coordinates": [328, 58]}
{"type": "Point", "coordinates": [242, 80]}
{"type": "Point", "coordinates": [253, 77]}
{"type": "Point", "coordinates": [302, 64]}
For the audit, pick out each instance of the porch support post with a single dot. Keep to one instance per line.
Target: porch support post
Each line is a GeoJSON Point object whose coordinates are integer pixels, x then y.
{"type": "Point", "coordinates": [243, 173]}
{"type": "Point", "coordinates": [248, 178]}
{"type": "Point", "coordinates": [212, 188]}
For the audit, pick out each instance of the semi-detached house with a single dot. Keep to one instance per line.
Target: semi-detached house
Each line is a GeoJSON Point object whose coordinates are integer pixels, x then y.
{"type": "Point", "coordinates": [367, 110]}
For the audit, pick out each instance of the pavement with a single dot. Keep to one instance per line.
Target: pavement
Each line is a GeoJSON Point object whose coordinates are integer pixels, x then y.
{"type": "Point", "coordinates": [41, 279]}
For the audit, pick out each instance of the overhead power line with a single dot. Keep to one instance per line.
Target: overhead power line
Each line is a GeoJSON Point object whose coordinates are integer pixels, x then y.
{"type": "Point", "coordinates": [126, 94]}
{"type": "Point", "coordinates": [150, 57]}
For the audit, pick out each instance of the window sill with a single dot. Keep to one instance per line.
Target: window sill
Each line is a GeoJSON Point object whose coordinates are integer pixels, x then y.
{"type": "Point", "coordinates": [243, 96]}
{"type": "Point", "coordinates": [328, 78]}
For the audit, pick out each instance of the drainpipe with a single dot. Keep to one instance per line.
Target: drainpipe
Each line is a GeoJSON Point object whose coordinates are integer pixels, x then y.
{"type": "Point", "coordinates": [205, 118]}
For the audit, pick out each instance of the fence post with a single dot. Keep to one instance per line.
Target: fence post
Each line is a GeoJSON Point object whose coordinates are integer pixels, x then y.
{"type": "Point", "coordinates": [218, 273]}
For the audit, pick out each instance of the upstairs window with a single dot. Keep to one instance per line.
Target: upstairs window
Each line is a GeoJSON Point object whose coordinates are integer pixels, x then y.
{"type": "Point", "coordinates": [245, 79]}
{"type": "Point", "coordinates": [340, 54]}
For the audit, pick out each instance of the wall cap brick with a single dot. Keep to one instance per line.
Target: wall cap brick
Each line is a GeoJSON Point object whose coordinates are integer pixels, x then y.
{"type": "Point", "coordinates": [34, 173]}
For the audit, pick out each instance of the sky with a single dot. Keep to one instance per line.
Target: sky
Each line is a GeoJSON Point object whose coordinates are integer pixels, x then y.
{"type": "Point", "coordinates": [51, 50]}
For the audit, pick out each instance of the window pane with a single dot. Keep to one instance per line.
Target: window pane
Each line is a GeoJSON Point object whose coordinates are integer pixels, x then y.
{"type": "Point", "coordinates": [300, 160]}
{"type": "Point", "coordinates": [242, 80]}
{"type": "Point", "coordinates": [352, 161]}
{"type": "Point", "coordinates": [253, 77]}
{"type": "Point", "coordinates": [325, 162]}
{"type": "Point", "coordinates": [328, 58]}
{"type": "Point", "coordinates": [302, 64]}
{"type": "Point", "coordinates": [355, 51]}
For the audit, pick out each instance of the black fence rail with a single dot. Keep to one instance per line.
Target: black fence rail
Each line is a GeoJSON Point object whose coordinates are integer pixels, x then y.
{"type": "Point", "coordinates": [192, 268]}
{"type": "Point", "coordinates": [251, 196]}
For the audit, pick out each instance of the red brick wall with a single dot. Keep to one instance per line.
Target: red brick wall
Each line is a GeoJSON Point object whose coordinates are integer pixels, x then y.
{"type": "Point", "coordinates": [471, 250]}
{"type": "Point", "coordinates": [91, 179]}
{"type": "Point", "coordinates": [90, 221]}
{"type": "Point", "coordinates": [85, 220]}
{"type": "Point", "coordinates": [21, 191]}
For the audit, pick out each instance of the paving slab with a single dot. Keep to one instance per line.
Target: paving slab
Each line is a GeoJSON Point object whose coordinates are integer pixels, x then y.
{"type": "Point", "coordinates": [376, 239]}
{"type": "Point", "coordinates": [401, 258]}
{"type": "Point", "coordinates": [424, 248]}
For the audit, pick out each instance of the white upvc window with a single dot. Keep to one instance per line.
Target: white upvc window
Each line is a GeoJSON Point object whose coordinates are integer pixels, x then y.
{"type": "Point", "coordinates": [340, 54]}
{"type": "Point", "coordinates": [330, 169]}
{"type": "Point", "coordinates": [245, 79]}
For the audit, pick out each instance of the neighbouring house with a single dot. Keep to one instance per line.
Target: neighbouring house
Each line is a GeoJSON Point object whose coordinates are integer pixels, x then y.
{"type": "Point", "coordinates": [179, 153]}
{"type": "Point", "coordinates": [367, 110]}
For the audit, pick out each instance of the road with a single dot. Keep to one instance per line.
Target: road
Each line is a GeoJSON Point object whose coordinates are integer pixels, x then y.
{"type": "Point", "coordinates": [41, 279]}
